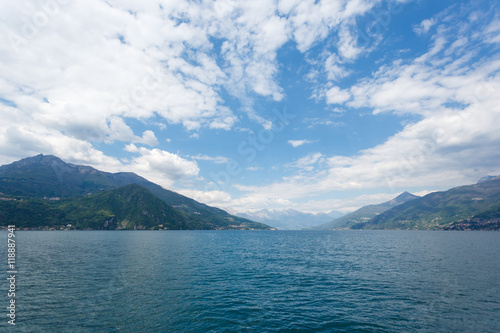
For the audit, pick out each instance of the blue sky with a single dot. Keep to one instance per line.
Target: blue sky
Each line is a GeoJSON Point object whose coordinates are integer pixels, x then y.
{"type": "Point", "coordinates": [311, 105]}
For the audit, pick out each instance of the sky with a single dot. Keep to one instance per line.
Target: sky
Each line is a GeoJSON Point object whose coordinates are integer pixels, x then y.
{"type": "Point", "coordinates": [246, 105]}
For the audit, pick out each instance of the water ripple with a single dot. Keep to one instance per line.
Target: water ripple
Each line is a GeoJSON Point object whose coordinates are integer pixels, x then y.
{"type": "Point", "coordinates": [236, 281]}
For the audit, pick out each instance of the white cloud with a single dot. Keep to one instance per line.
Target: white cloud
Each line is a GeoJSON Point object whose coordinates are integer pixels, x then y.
{"type": "Point", "coordinates": [307, 162]}
{"type": "Point", "coordinates": [297, 143]}
{"type": "Point", "coordinates": [88, 80]}
{"type": "Point", "coordinates": [313, 122]}
{"type": "Point", "coordinates": [424, 26]}
{"type": "Point", "coordinates": [161, 167]}
{"type": "Point", "coordinates": [216, 159]}
{"type": "Point", "coordinates": [149, 138]}
{"type": "Point", "coordinates": [335, 95]}
{"type": "Point", "coordinates": [151, 74]}
{"type": "Point", "coordinates": [348, 46]}
{"type": "Point", "coordinates": [248, 202]}
{"type": "Point", "coordinates": [492, 32]}
{"type": "Point", "coordinates": [334, 68]}
{"type": "Point", "coordinates": [131, 148]}
{"type": "Point", "coordinates": [120, 131]}
{"type": "Point", "coordinates": [254, 168]}
{"type": "Point", "coordinates": [431, 82]}
{"type": "Point", "coordinates": [311, 21]}
{"type": "Point", "coordinates": [218, 198]}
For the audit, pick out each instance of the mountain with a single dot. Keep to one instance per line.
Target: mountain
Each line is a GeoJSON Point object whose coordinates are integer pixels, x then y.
{"type": "Point", "coordinates": [365, 213]}
{"type": "Point", "coordinates": [289, 219]}
{"type": "Point", "coordinates": [469, 207]}
{"type": "Point", "coordinates": [128, 207]}
{"type": "Point", "coordinates": [486, 178]}
{"type": "Point", "coordinates": [45, 176]}
{"type": "Point", "coordinates": [486, 220]}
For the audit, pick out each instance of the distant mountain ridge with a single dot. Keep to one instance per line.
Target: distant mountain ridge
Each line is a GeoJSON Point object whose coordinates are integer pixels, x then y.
{"type": "Point", "coordinates": [45, 191]}
{"type": "Point", "coordinates": [471, 207]}
{"type": "Point", "coordinates": [486, 178]}
{"type": "Point", "coordinates": [366, 213]}
{"type": "Point", "coordinates": [47, 176]}
{"type": "Point", "coordinates": [289, 219]}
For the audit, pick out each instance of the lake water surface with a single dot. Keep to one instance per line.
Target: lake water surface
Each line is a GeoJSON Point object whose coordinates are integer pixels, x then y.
{"type": "Point", "coordinates": [255, 281]}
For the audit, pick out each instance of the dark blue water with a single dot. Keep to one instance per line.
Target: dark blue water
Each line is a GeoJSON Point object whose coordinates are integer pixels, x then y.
{"type": "Point", "coordinates": [255, 281]}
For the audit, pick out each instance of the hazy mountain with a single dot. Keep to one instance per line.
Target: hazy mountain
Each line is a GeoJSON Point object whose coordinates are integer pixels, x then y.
{"type": "Point", "coordinates": [486, 178]}
{"type": "Point", "coordinates": [289, 219]}
{"type": "Point", "coordinates": [365, 213]}
{"type": "Point", "coordinates": [473, 205]}
{"type": "Point", "coordinates": [49, 177]}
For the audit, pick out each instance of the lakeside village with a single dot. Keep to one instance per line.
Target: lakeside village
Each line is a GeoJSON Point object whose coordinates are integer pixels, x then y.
{"type": "Point", "coordinates": [72, 227]}
{"type": "Point", "coordinates": [108, 225]}
{"type": "Point", "coordinates": [57, 227]}
{"type": "Point", "coordinates": [159, 227]}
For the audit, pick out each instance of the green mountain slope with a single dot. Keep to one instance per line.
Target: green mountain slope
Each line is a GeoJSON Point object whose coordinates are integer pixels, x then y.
{"type": "Point", "coordinates": [48, 176]}
{"type": "Point", "coordinates": [364, 214]}
{"type": "Point", "coordinates": [128, 207]}
{"type": "Point", "coordinates": [487, 220]}
{"type": "Point", "coordinates": [439, 210]}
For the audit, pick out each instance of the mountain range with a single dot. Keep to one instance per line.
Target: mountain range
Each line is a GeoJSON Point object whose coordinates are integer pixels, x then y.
{"type": "Point", "coordinates": [45, 191]}
{"type": "Point", "coordinates": [470, 207]}
{"type": "Point", "coordinates": [366, 213]}
{"type": "Point", "coordinates": [289, 219]}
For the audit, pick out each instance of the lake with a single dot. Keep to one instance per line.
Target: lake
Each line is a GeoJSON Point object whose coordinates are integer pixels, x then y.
{"type": "Point", "coordinates": [255, 281]}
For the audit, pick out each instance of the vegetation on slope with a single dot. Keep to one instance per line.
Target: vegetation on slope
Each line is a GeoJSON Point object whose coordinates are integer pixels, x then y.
{"type": "Point", "coordinates": [364, 214]}
{"type": "Point", "coordinates": [49, 177]}
{"type": "Point", "coordinates": [128, 207]}
{"type": "Point", "coordinates": [440, 210]}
